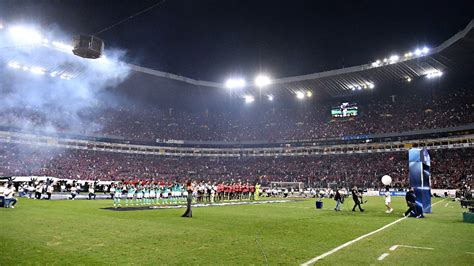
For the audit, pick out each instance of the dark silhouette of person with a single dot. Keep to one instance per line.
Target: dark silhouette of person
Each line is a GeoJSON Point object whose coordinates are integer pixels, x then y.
{"type": "Point", "coordinates": [355, 197]}
{"type": "Point", "coordinates": [189, 212]}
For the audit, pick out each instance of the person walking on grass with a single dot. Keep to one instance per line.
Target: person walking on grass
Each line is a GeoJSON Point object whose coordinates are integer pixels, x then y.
{"type": "Point", "coordinates": [356, 197]}
{"type": "Point", "coordinates": [388, 200]}
{"type": "Point", "coordinates": [338, 199]}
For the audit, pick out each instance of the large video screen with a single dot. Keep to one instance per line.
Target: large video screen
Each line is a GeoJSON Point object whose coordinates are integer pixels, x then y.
{"type": "Point", "coordinates": [344, 110]}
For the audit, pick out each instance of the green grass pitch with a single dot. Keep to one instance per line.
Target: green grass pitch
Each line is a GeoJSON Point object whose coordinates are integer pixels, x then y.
{"type": "Point", "coordinates": [81, 232]}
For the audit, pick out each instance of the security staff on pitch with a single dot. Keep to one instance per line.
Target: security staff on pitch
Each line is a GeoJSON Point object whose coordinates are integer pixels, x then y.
{"type": "Point", "coordinates": [356, 197]}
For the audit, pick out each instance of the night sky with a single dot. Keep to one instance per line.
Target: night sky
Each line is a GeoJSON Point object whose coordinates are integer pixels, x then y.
{"type": "Point", "coordinates": [213, 39]}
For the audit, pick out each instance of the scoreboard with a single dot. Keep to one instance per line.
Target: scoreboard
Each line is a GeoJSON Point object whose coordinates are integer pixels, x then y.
{"type": "Point", "coordinates": [344, 110]}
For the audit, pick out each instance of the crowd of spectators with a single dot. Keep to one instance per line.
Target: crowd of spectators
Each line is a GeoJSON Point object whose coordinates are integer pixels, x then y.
{"type": "Point", "coordinates": [255, 122]}
{"type": "Point", "coordinates": [449, 167]}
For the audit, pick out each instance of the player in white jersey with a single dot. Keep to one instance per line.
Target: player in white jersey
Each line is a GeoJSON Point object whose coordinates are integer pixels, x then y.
{"type": "Point", "coordinates": [152, 194]}
{"type": "Point", "coordinates": [388, 199]}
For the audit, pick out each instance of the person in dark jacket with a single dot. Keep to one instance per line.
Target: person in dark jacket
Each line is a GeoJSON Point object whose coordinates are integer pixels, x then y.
{"type": "Point", "coordinates": [410, 198]}
{"type": "Point", "coordinates": [356, 197]}
{"type": "Point", "coordinates": [338, 199]}
{"type": "Point", "coordinates": [189, 212]}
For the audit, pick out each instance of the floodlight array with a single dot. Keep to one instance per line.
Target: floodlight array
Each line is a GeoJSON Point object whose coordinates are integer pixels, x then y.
{"type": "Point", "coordinates": [434, 74]}
{"type": "Point", "coordinates": [418, 52]}
{"type": "Point", "coordinates": [360, 86]}
{"type": "Point", "coordinates": [40, 70]}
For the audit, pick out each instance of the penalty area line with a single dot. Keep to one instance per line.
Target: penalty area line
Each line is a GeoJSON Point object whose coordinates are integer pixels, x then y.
{"type": "Point", "coordinates": [315, 259]}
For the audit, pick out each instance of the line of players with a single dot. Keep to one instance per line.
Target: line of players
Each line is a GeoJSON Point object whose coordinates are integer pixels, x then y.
{"type": "Point", "coordinates": [153, 193]}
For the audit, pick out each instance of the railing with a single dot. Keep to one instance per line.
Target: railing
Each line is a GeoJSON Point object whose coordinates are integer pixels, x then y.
{"type": "Point", "coordinates": [452, 142]}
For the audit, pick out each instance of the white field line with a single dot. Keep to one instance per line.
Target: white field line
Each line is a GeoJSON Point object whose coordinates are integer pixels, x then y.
{"type": "Point", "coordinates": [315, 259]}
{"type": "Point", "coordinates": [472, 253]}
{"type": "Point", "coordinates": [405, 246]}
{"type": "Point", "coordinates": [383, 256]}
{"type": "Point", "coordinates": [446, 205]}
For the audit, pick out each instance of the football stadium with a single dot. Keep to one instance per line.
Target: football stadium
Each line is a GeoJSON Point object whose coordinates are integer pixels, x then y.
{"type": "Point", "coordinates": [236, 133]}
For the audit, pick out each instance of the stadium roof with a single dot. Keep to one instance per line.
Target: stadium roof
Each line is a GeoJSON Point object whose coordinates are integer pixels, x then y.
{"type": "Point", "coordinates": [456, 53]}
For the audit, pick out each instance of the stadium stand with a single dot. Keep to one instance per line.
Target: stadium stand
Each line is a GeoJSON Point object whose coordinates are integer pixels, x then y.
{"type": "Point", "coordinates": [379, 115]}
{"type": "Point", "coordinates": [315, 171]}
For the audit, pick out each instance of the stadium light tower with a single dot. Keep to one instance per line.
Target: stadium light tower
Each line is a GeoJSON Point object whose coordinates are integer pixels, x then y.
{"type": "Point", "coordinates": [262, 81]}
{"type": "Point", "coordinates": [235, 83]}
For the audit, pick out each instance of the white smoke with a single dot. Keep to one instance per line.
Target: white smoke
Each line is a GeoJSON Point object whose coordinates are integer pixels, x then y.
{"type": "Point", "coordinates": [45, 87]}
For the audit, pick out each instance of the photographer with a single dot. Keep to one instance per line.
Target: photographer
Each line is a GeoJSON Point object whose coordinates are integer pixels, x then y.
{"type": "Point", "coordinates": [356, 196]}
{"type": "Point", "coordinates": [410, 198]}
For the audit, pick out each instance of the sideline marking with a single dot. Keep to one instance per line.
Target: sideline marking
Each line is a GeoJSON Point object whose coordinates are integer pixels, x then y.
{"type": "Point", "coordinates": [383, 256]}
{"type": "Point", "coordinates": [446, 205]}
{"type": "Point", "coordinates": [315, 259]}
{"type": "Point", "coordinates": [405, 246]}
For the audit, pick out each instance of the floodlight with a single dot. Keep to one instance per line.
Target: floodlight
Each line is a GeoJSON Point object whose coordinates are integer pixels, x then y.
{"type": "Point", "coordinates": [270, 97]}
{"type": "Point", "coordinates": [262, 81]}
{"type": "Point", "coordinates": [14, 64]}
{"type": "Point", "coordinates": [249, 98]}
{"type": "Point", "coordinates": [235, 83]}
{"type": "Point", "coordinates": [394, 58]}
{"type": "Point", "coordinates": [425, 50]}
{"type": "Point", "coordinates": [309, 94]}
{"type": "Point", "coordinates": [38, 70]}
{"type": "Point", "coordinates": [24, 34]}
{"type": "Point", "coordinates": [300, 95]}
{"type": "Point", "coordinates": [434, 74]}
{"type": "Point", "coordinates": [417, 52]}
{"type": "Point", "coordinates": [1, 26]}
{"type": "Point", "coordinates": [371, 85]}
{"type": "Point", "coordinates": [376, 63]}
{"type": "Point", "coordinates": [408, 79]}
